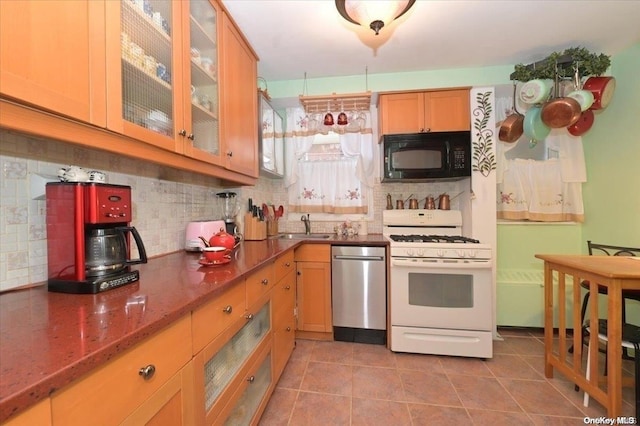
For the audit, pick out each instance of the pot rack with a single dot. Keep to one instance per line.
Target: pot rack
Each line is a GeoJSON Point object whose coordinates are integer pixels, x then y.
{"type": "Point", "coordinates": [563, 61]}
{"type": "Point", "coordinates": [335, 102]}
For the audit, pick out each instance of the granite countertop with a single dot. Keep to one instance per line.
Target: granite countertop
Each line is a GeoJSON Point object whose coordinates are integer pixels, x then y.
{"type": "Point", "coordinates": [48, 340]}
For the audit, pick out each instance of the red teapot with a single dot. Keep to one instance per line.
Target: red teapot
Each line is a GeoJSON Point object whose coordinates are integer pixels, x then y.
{"type": "Point", "coordinates": [223, 239]}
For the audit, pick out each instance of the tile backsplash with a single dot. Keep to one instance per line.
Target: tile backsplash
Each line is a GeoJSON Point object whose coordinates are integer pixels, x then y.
{"type": "Point", "coordinates": [164, 201]}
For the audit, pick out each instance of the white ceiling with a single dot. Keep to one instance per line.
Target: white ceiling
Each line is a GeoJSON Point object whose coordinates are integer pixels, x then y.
{"type": "Point", "coordinates": [292, 37]}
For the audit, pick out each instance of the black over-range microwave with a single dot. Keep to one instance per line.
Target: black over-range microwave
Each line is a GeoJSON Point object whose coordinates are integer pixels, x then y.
{"type": "Point", "coordinates": [420, 157]}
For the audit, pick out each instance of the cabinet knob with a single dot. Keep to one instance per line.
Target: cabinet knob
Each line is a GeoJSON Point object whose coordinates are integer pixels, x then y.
{"type": "Point", "coordinates": [249, 317]}
{"type": "Point", "coordinates": [299, 273]}
{"type": "Point", "coordinates": [251, 379]}
{"type": "Point", "coordinates": [147, 372]}
{"type": "Point", "coordinates": [265, 281]}
{"type": "Point", "coordinates": [287, 264]}
{"type": "Point", "coordinates": [227, 309]}
{"type": "Point", "coordinates": [288, 328]}
{"type": "Point", "coordinates": [182, 132]}
{"type": "Point", "coordinates": [287, 287]}
{"type": "Point", "coordinates": [191, 136]}
{"type": "Point", "coordinates": [229, 154]}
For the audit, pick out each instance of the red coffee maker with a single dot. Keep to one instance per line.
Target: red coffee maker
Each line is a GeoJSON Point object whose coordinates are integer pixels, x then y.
{"type": "Point", "coordinates": [88, 237]}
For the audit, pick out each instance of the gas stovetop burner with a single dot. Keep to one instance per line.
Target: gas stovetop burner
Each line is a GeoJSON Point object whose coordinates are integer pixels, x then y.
{"type": "Point", "coordinates": [433, 239]}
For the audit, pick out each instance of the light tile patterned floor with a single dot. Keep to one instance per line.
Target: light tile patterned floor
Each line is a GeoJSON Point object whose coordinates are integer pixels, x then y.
{"type": "Point", "coordinates": [338, 383]}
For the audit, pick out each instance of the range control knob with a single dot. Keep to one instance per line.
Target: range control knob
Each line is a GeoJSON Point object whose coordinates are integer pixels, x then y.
{"type": "Point", "coordinates": [421, 252]}
{"type": "Point", "coordinates": [410, 252]}
{"type": "Point", "coordinates": [472, 253]}
{"type": "Point", "coordinates": [461, 254]}
{"type": "Point", "coordinates": [440, 253]}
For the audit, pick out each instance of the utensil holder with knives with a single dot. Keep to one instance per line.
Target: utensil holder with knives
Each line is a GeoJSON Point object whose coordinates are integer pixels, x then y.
{"type": "Point", "coordinates": [254, 228]}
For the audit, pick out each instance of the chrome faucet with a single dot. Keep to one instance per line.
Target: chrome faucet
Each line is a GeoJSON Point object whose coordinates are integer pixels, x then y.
{"type": "Point", "coordinates": [307, 224]}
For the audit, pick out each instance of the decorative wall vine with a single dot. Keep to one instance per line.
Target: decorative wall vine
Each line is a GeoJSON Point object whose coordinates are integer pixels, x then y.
{"type": "Point", "coordinates": [484, 160]}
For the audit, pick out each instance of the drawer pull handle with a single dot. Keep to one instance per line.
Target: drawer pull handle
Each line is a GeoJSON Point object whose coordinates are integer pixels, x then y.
{"type": "Point", "coordinates": [228, 309]}
{"type": "Point", "coordinates": [147, 372]}
{"type": "Point", "coordinates": [251, 379]}
{"type": "Point", "coordinates": [249, 316]}
{"type": "Point", "coordinates": [287, 264]}
{"type": "Point", "coordinates": [288, 328]}
{"type": "Point", "coordinates": [287, 287]}
{"type": "Point", "coordinates": [265, 281]}
{"type": "Point", "coordinates": [182, 132]}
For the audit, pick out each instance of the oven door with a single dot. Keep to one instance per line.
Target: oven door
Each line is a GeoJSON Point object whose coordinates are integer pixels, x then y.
{"type": "Point", "coordinates": [445, 295]}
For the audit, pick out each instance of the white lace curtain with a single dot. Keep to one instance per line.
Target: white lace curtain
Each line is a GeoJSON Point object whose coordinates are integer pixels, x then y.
{"type": "Point", "coordinates": [341, 186]}
{"type": "Point", "coordinates": [545, 191]}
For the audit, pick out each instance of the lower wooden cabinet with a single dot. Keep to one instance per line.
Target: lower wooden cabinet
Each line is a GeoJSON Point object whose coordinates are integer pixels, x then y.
{"type": "Point", "coordinates": [133, 380]}
{"type": "Point", "coordinates": [313, 288]}
{"type": "Point", "coordinates": [251, 396]}
{"type": "Point", "coordinates": [172, 404]}
{"type": "Point", "coordinates": [284, 321]}
{"type": "Point", "coordinates": [219, 367]}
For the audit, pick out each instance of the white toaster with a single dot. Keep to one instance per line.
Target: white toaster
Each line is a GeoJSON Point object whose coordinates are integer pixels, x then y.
{"type": "Point", "coordinates": [205, 228]}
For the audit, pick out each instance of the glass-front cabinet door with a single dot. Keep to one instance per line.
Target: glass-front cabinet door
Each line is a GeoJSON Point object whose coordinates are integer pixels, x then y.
{"type": "Point", "coordinates": [143, 73]}
{"type": "Point", "coordinates": [201, 106]}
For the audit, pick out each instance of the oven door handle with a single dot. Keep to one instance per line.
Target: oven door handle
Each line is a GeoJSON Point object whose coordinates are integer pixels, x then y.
{"type": "Point", "coordinates": [472, 264]}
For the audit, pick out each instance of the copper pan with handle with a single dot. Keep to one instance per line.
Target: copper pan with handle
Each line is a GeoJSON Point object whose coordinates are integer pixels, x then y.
{"type": "Point", "coordinates": [512, 127]}
{"type": "Point", "coordinates": [560, 111]}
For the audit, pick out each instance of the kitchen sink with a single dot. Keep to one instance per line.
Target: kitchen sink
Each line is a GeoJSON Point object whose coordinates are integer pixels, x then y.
{"type": "Point", "coordinates": [304, 236]}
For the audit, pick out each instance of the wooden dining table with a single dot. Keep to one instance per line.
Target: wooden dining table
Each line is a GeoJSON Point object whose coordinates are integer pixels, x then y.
{"type": "Point", "coordinates": [566, 272]}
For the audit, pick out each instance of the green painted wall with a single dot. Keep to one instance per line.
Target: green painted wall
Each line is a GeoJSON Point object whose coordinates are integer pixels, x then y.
{"type": "Point", "coordinates": [612, 152]}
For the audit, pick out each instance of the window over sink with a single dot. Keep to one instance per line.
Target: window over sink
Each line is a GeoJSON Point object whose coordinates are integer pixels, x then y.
{"type": "Point", "coordinates": [330, 168]}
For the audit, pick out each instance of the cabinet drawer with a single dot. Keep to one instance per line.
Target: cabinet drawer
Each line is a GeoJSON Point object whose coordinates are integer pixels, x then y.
{"type": "Point", "coordinates": [259, 283]}
{"type": "Point", "coordinates": [111, 392]}
{"type": "Point", "coordinates": [210, 320]}
{"type": "Point", "coordinates": [284, 294]}
{"type": "Point", "coordinates": [313, 253]}
{"type": "Point", "coordinates": [284, 264]}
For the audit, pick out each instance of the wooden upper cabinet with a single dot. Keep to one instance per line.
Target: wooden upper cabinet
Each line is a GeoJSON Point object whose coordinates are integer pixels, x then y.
{"type": "Point", "coordinates": [144, 71]}
{"type": "Point", "coordinates": [239, 101]}
{"type": "Point", "coordinates": [201, 39]}
{"type": "Point", "coordinates": [52, 56]}
{"type": "Point", "coordinates": [429, 111]}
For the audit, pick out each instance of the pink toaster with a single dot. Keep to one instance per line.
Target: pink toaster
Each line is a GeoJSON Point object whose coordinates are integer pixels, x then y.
{"type": "Point", "coordinates": [204, 228]}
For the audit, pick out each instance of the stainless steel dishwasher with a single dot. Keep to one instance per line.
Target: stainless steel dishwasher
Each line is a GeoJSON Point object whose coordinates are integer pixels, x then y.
{"type": "Point", "coordinates": [359, 294]}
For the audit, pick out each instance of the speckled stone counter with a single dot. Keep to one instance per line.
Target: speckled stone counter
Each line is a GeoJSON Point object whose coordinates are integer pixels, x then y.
{"type": "Point", "coordinates": [48, 340]}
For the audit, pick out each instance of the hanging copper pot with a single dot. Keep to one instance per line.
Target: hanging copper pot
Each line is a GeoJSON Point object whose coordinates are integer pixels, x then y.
{"type": "Point", "coordinates": [512, 127]}
{"type": "Point", "coordinates": [560, 111]}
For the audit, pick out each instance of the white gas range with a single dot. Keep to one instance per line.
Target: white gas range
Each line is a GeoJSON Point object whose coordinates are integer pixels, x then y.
{"type": "Point", "coordinates": [441, 285]}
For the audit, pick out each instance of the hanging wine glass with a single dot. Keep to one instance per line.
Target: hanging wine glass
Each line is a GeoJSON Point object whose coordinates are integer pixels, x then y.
{"type": "Point", "coordinates": [328, 117]}
{"type": "Point", "coordinates": [362, 119]}
{"type": "Point", "coordinates": [342, 117]}
{"type": "Point", "coordinates": [313, 122]}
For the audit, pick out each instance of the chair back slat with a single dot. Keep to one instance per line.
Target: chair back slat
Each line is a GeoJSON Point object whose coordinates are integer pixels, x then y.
{"type": "Point", "coordinates": [609, 250]}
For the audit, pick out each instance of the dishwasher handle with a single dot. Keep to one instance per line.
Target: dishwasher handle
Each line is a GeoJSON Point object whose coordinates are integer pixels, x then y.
{"type": "Point", "coordinates": [348, 257]}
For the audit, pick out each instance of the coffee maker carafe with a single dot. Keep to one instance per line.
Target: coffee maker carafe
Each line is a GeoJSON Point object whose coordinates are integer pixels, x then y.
{"type": "Point", "coordinates": [229, 209]}
{"type": "Point", "coordinates": [88, 235]}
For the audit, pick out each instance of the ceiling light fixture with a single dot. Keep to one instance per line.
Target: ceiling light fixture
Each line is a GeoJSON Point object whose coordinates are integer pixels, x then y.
{"type": "Point", "coordinates": [374, 12]}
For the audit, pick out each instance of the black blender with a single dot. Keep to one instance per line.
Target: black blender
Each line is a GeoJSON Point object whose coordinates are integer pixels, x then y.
{"type": "Point", "coordinates": [229, 209]}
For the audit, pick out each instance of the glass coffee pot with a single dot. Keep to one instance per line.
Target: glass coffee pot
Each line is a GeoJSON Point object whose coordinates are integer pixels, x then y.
{"type": "Point", "coordinates": [229, 209]}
